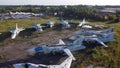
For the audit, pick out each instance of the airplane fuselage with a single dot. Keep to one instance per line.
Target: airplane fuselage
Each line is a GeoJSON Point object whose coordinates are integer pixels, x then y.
{"type": "Point", "coordinates": [38, 27]}
{"type": "Point", "coordinates": [65, 23]}
{"type": "Point", "coordinates": [15, 33]}
{"type": "Point", "coordinates": [48, 49]}
{"type": "Point", "coordinates": [103, 38]}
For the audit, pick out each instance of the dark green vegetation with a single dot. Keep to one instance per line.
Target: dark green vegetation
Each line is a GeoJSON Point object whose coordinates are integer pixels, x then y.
{"type": "Point", "coordinates": [98, 56]}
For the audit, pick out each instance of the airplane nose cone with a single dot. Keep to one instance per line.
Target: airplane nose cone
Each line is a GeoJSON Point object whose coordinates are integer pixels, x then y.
{"type": "Point", "coordinates": [51, 26]}
{"type": "Point", "coordinates": [31, 51]}
{"type": "Point", "coordinates": [68, 26]}
{"type": "Point", "coordinates": [13, 36]}
{"type": "Point", "coordinates": [40, 30]}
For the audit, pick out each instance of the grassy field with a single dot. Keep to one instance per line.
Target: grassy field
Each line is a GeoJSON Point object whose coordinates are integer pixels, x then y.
{"type": "Point", "coordinates": [6, 25]}
{"type": "Point", "coordinates": [97, 56]}
{"type": "Point", "coordinates": [100, 56]}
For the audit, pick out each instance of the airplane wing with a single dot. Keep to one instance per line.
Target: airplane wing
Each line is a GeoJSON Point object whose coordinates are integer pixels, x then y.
{"type": "Point", "coordinates": [21, 29]}
{"type": "Point", "coordinates": [100, 42]}
{"type": "Point", "coordinates": [20, 65]}
{"type": "Point", "coordinates": [90, 66]}
{"type": "Point", "coordinates": [43, 26]}
{"type": "Point", "coordinates": [66, 63]}
{"type": "Point", "coordinates": [12, 30]}
{"type": "Point", "coordinates": [25, 65]}
{"type": "Point", "coordinates": [60, 42]}
{"type": "Point", "coordinates": [68, 52]}
{"type": "Point", "coordinates": [77, 32]}
{"type": "Point", "coordinates": [86, 27]}
{"type": "Point", "coordinates": [73, 38]}
{"type": "Point", "coordinates": [79, 41]}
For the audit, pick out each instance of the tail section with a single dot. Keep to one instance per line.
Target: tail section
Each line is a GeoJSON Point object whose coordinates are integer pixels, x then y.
{"type": "Point", "coordinates": [10, 13]}
{"type": "Point", "coordinates": [82, 23]}
{"type": "Point", "coordinates": [60, 42]}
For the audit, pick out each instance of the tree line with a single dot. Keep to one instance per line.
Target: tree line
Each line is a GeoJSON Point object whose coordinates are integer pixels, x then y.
{"type": "Point", "coordinates": [69, 12]}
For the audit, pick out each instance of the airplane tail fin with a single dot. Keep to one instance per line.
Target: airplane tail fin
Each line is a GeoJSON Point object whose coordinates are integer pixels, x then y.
{"type": "Point", "coordinates": [82, 23]}
{"type": "Point", "coordinates": [68, 52]}
{"type": "Point", "coordinates": [83, 20]}
{"type": "Point", "coordinates": [77, 32]}
{"type": "Point", "coordinates": [10, 13]}
{"type": "Point", "coordinates": [60, 42]}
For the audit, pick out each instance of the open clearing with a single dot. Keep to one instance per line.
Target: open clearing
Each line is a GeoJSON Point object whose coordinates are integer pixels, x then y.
{"type": "Point", "coordinates": [14, 51]}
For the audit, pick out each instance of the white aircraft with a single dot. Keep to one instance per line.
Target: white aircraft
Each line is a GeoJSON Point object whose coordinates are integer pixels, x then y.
{"type": "Point", "coordinates": [38, 27]}
{"type": "Point", "coordinates": [16, 31]}
{"type": "Point", "coordinates": [92, 26]}
{"type": "Point", "coordinates": [100, 39]}
{"type": "Point", "coordinates": [94, 32]}
{"type": "Point", "coordinates": [49, 24]}
{"type": "Point", "coordinates": [60, 42]}
{"type": "Point", "coordinates": [86, 27]}
{"type": "Point", "coordinates": [76, 45]}
{"type": "Point", "coordinates": [65, 23]}
{"type": "Point", "coordinates": [82, 23]}
{"type": "Point", "coordinates": [18, 15]}
{"type": "Point", "coordinates": [65, 64]}
{"type": "Point", "coordinates": [99, 26]}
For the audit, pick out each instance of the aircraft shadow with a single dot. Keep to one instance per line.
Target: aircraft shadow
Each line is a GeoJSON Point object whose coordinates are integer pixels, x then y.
{"type": "Point", "coordinates": [4, 36]}
{"type": "Point", "coordinates": [67, 40]}
{"type": "Point", "coordinates": [37, 59]}
{"type": "Point", "coordinates": [27, 32]}
{"type": "Point", "coordinates": [91, 44]}
{"type": "Point", "coordinates": [73, 25]}
{"type": "Point", "coordinates": [57, 27]}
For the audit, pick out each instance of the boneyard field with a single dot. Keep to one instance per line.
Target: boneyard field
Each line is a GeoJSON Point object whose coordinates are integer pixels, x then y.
{"type": "Point", "coordinates": [11, 51]}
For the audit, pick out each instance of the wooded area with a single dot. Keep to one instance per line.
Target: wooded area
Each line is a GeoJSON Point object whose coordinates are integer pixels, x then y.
{"type": "Point", "coordinates": [69, 12]}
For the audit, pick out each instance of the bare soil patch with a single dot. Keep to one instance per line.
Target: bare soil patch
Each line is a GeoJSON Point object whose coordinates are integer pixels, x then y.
{"type": "Point", "coordinates": [16, 52]}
